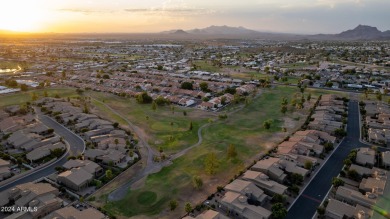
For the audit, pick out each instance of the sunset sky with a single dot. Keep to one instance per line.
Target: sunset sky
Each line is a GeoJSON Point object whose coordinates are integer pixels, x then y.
{"type": "Point", "coordinates": [288, 16]}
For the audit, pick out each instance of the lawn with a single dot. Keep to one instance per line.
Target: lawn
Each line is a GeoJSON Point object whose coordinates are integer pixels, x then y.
{"type": "Point", "coordinates": [244, 129]}
{"type": "Point", "coordinates": [23, 97]}
{"type": "Point", "coordinates": [206, 66]}
{"type": "Point", "coordinates": [165, 128]}
{"type": "Point", "coordinates": [297, 65]}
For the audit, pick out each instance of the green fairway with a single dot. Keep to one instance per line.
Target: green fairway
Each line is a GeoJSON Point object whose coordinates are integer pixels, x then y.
{"type": "Point", "coordinates": [206, 66]}
{"type": "Point", "coordinates": [23, 97]}
{"type": "Point", "coordinates": [165, 128]}
{"type": "Point", "coordinates": [244, 129]}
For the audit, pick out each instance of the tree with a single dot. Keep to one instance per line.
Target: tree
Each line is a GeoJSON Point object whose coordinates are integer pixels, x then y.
{"type": "Point", "coordinates": [197, 182]}
{"type": "Point", "coordinates": [340, 132]}
{"type": "Point", "coordinates": [188, 207]}
{"type": "Point", "coordinates": [184, 113]}
{"type": "Point", "coordinates": [278, 198]}
{"type": "Point", "coordinates": [160, 67]}
{"type": "Point", "coordinates": [366, 94]}
{"type": "Point", "coordinates": [154, 106]}
{"type": "Point", "coordinates": [283, 109]}
{"type": "Point", "coordinates": [278, 211]}
{"type": "Point", "coordinates": [337, 182]}
{"type": "Point", "coordinates": [173, 109]}
{"type": "Point", "coordinates": [284, 101]}
{"type": "Point", "coordinates": [34, 96]}
{"type": "Point", "coordinates": [106, 76]}
{"type": "Point", "coordinates": [353, 174]}
{"type": "Point", "coordinates": [173, 205]}
{"type": "Point", "coordinates": [296, 178]}
{"type": "Point", "coordinates": [347, 162]}
{"type": "Point", "coordinates": [79, 91]}
{"type": "Point", "coordinates": [231, 151]}
{"type": "Point", "coordinates": [109, 174]}
{"type": "Point", "coordinates": [161, 101]}
{"type": "Point", "coordinates": [294, 189]}
{"type": "Point", "coordinates": [115, 125]}
{"type": "Point", "coordinates": [45, 94]}
{"type": "Point", "coordinates": [186, 85]}
{"type": "Point", "coordinates": [23, 87]}
{"type": "Point", "coordinates": [309, 97]}
{"type": "Point", "coordinates": [328, 146]}
{"type": "Point", "coordinates": [190, 126]}
{"type": "Point", "coordinates": [144, 98]}
{"type": "Point", "coordinates": [223, 100]}
{"type": "Point", "coordinates": [321, 210]}
{"type": "Point", "coordinates": [329, 84]}
{"type": "Point", "coordinates": [85, 110]}
{"type": "Point", "coordinates": [267, 124]}
{"type": "Point", "coordinates": [11, 83]}
{"type": "Point", "coordinates": [204, 86]}
{"type": "Point", "coordinates": [230, 90]}
{"type": "Point", "coordinates": [379, 96]}
{"type": "Point", "coordinates": [57, 152]}
{"type": "Point", "coordinates": [211, 163]}
{"type": "Point", "coordinates": [308, 165]}
{"type": "Point", "coordinates": [63, 74]}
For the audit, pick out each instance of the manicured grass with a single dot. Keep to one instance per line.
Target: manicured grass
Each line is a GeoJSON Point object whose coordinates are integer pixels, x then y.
{"type": "Point", "coordinates": [164, 128]}
{"type": "Point", "coordinates": [146, 198]}
{"type": "Point", "coordinates": [206, 66]}
{"type": "Point", "coordinates": [23, 97]}
{"type": "Point", "coordinates": [297, 65]}
{"type": "Point", "coordinates": [244, 129]}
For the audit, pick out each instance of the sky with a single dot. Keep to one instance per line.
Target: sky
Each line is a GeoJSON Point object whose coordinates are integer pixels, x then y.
{"type": "Point", "coordinates": [135, 16]}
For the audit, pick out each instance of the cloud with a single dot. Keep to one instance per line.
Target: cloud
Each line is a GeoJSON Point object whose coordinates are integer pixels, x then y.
{"type": "Point", "coordinates": [84, 11]}
{"type": "Point", "coordinates": [171, 11]}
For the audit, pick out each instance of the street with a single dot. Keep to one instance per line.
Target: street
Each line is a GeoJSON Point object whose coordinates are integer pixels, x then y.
{"type": "Point", "coordinates": [306, 204]}
{"type": "Point", "coordinates": [76, 144]}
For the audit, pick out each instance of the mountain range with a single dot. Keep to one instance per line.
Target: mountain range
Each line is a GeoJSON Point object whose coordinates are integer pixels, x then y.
{"type": "Point", "coordinates": [361, 32]}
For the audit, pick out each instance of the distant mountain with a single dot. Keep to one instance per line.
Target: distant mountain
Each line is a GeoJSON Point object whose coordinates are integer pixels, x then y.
{"type": "Point", "coordinates": [179, 32]}
{"type": "Point", "coordinates": [361, 32]}
{"type": "Point", "coordinates": [222, 30]}
{"type": "Point", "coordinates": [214, 30]}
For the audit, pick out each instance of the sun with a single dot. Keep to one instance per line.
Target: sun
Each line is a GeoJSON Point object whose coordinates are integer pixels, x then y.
{"type": "Point", "coordinates": [22, 15]}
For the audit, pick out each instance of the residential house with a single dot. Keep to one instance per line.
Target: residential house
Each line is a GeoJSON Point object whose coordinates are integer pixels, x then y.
{"type": "Point", "coordinates": [44, 151]}
{"type": "Point", "coordinates": [247, 189]}
{"type": "Point", "coordinates": [5, 171]}
{"type": "Point", "coordinates": [89, 166]}
{"type": "Point", "coordinates": [365, 157]}
{"type": "Point", "coordinates": [353, 196]}
{"type": "Point", "coordinates": [237, 203]}
{"type": "Point", "coordinates": [386, 159]}
{"type": "Point", "coordinates": [340, 210]}
{"type": "Point", "coordinates": [75, 179]}
{"type": "Point", "coordinates": [28, 194]}
{"type": "Point", "coordinates": [109, 156]}
{"type": "Point", "coordinates": [261, 180]}
{"type": "Point", "coordinates": [208, 214]}
{"type": "Point", "coordinates": [71, 212]}
{"type": "Point", "coordinates": [270, 167]}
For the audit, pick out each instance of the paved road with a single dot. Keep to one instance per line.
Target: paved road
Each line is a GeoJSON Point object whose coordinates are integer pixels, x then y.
{"type": "Point", "coordinates": [312, 196]}
{"type": "Point", "coordinates": [76, 144]}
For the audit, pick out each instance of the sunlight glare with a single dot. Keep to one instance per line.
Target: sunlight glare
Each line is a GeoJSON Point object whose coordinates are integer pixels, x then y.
{"type": "Point", "coordinates": [18, 15]}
